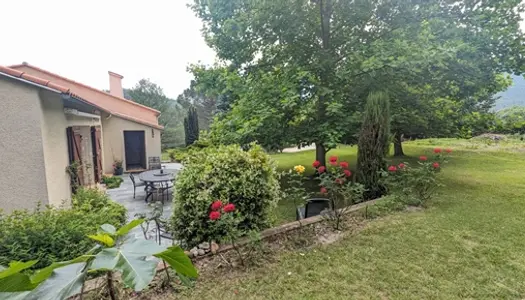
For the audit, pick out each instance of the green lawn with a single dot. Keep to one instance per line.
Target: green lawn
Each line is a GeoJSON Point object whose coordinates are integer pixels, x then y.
{"type": "Point", "coordinates": [468, 244]}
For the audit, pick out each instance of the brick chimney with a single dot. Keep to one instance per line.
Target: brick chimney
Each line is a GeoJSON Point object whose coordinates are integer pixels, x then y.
{"type": "Point", "coordinates": [115, 84]}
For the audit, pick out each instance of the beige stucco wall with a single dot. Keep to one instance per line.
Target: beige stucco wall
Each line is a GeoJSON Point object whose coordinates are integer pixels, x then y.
{"type": "Point", "coordinates": [23, 176]}
{"type": "Point", "coordinates": [113, 140]}
{"type": "Point", "coordinates": [56, 158]}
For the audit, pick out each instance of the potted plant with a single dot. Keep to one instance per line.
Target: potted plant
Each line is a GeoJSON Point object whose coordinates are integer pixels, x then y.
{"type": "Point", "coordinates": [117, 167]}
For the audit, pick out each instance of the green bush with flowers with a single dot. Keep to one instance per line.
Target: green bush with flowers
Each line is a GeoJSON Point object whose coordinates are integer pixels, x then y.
{"type": "Point", "coordinates": [416, 184]}
{"type": "Point", "coordinates": [335, 182]}
{"type": "Point", "coordinates": [248, 179]}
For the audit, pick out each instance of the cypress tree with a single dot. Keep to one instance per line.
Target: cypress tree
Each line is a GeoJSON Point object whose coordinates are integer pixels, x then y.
{"type": "Point", "coordinates": [191, 126]}
{"type": "Point", "coordinates": [374, 143]}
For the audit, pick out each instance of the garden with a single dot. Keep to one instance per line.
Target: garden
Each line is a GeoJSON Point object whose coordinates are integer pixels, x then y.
{"type": "Point", "coordinates": [412, 191]}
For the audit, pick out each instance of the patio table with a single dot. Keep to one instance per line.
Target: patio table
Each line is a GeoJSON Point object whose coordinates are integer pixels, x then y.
{"type": "Point", "coordinates": [159, 177]}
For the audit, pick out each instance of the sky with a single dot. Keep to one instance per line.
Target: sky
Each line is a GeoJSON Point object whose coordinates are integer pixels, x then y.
{"type": "Point", "coordinates": [83, 40]}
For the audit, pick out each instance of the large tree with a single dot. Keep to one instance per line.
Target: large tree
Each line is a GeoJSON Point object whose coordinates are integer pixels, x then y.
{"type": "Point", "coordinates": [326, 55]}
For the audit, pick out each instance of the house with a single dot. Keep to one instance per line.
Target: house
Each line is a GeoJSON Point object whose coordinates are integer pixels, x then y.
{"type": "Point", "coordinates": [47, 122]}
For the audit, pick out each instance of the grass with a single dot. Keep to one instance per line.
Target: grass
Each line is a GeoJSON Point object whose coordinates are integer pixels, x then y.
{"type": "Point", "coordinates": [468, 244]}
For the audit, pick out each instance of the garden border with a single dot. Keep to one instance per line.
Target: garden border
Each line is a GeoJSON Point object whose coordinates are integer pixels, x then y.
{"type": "Point", "coordinates": [91, 284]}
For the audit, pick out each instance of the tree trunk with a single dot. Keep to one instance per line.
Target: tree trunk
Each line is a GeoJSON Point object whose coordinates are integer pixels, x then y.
{"type": "Point", "coordinates": [320, 153]}
{"type": "Point", "coordinates": [111, 287]}
{"type": "Point", "coordinates": [398, 147]}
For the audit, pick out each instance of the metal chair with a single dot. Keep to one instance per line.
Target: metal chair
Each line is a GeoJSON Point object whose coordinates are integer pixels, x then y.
{"type": "Point", "coordinates": [154, 163]}
{"type": "Point", "coordinates": [136, 184]}
{"type": "Point", "coordinates": [313, 207]}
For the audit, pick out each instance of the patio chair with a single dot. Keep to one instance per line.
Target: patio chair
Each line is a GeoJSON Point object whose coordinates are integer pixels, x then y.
{"type": "Point", "coordinates": [136, 184]}
{"type": "Point", "coordinates": [161, 231]}
{"type": "Point", "coordinates": [161, 190]}
{"type": "Point", "coordinates": [313, 207]}
{"type": "Point", "coordinates": [154, 163]}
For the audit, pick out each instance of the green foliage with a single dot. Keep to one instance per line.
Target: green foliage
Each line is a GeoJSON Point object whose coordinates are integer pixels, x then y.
{"type": "Point", "coordinates": [135, 259]}
{"type": "Point", "coordinates": [247, 179]}
{"type": "Point", "coordinates": [511, 120]}
{"type": "Point", "coordinates": [299, 72]}
{"type": "Point", "coordinates": [191, 126]}
{"type": "Point", "coordinates": [50, 234]}
{"type": "Point", "coordinates": [112, 182]}
{"type": "Point", "coordinates": [374, 142]}
{"type": "Point", "coordinates": [91, 201]}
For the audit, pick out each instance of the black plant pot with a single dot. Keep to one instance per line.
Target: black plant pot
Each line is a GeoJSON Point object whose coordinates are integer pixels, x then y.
{"type": "Point", "coordinates": [118, 171]}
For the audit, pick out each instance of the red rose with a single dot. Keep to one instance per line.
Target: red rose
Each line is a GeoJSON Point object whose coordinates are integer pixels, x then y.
{"type": "Point", "coordinates": [316, 164]}
{"type": "Point", "coordinates": [437, 150]}
{"type": "Point", "coordinates": [344, 165]}
{"type": "Point", "coordinates": [216, 205]}
{"type": "Point", "coordinates": [448, 150]}
{"type": "Point", "coordinates": [401, 165]}
{"type": "Point", "coordinates": [333, 163]}
{"type": "Point", "coordinates": [229, 208]}
{"type": "Point", "coordinates": [339, 181]}
{"type": "Point", "coordinates": [215, 215]}
{"type": "Point", "coordinates": [324, 190]}
{"type": "Point", "coordinates": [423, 158]}
{"type": "Point", "coordinates": [348, 173]}
{"type": "Point", "coordinates": [321, 169]}
{"type": "Point", "coordinates": [392, 168]}
{"type": "Point", "coordinates": [332, 158]}
{"type": "Point", "coordinates": [435, 165]}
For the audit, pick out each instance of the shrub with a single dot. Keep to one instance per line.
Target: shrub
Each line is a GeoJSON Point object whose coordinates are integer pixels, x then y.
{"type": "Point", "coordinates": [95, 201]}
{"type": "Point", "coordinates": [112, 182]}
{"type": "Point", "coordinates": [177, 155]}
{"type": "Point", "coordinates": [415, 184]}
{"type": "Point", "coordinates": [335, 183]}
{"type": "Point", "coordinates": [248, 179]}
{"type": "Point", "coordinates": [51, 234]}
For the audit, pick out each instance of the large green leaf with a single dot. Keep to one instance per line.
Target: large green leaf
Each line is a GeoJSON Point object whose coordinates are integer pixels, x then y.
{"type": "Point", "coordinates": [108, 228]}
{"type": "Point", "coordinates": [11, 280]}
{"type": "Point", "coordinates": [126, 228]}
{"type": "Point", "coordinates": [44, 273]}
{"type": "Point", "coordinates": [16, 267]}
{"type": "Point", "coordinates": [103, 238]}
{"type": "Point", "coordinates": [131, 260]}
{"type": "Point", "coordinates": [179, 261]}
{"type": "Point", "coordinates": [14, 296]}
{"type": "Point", "coordinates": [62, 284]}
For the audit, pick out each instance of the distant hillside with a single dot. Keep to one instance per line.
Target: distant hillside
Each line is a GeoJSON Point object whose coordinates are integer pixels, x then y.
{"type": "Point", "coordinates": [515, 95]}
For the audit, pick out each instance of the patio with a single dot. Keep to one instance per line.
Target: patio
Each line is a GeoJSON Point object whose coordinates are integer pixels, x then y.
{"type": "Point", "coordinates": [124, 196]}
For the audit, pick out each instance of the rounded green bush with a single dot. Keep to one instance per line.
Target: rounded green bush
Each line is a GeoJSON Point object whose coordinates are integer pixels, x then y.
{"type": "Point", "coordinates": [247, 179]}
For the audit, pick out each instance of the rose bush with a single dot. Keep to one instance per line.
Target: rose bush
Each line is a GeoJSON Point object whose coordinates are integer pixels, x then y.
{"type": "Point", "coordinates": [418, 184]}
{"type": "Point", "coordinates": [248, 179]}
{"type": "Point", "coordinates": [336, 184]}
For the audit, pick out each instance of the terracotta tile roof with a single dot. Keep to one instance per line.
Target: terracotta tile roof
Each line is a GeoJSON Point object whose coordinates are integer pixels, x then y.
{"type": "Point", "coordinates": [34, 79]}
{"type": "Point", "coordinates": [117, 106]}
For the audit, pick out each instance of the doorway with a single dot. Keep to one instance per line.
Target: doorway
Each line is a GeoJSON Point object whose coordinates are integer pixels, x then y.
{"type": "Point", "coordinates": [135, 150]}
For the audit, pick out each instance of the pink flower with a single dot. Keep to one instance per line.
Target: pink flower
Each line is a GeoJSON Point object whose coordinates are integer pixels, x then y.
{"type": "Point", "coordinates": [401, 166]}
{"type": "Point", "coordinates": [216, 205]}
{"type": "Point", "coordinates": [316, 164]}
{"type": "Point", "coordinates": [437, 150]}
{"type": "Point", "coordinates": [435, 165]}
{"type": "Point", "coordinates": [392, 169]}
{"type": "Point", "coordinates": [423, 158]}
{"type": "Point", "coordinates": [339, 181]}
{"type": "Point", "coordinates": [229, 208]}
{"type": "Point", "coordinates": [324, 190]}
{"type": "Point", "coordinates": [333, 163]}
{"type": "Point", "coordinates": [348, 173]}
{"type": "Point", "coordinates": [343, 165]}
{"type": "Point", "coordinates": [321, 169]}
{"type": "Point", "coordinates": [448, 150]}
{"type": "Point", "coordinates": [215, 215]}
{"type": "Point", "coordinates": [333, 159]}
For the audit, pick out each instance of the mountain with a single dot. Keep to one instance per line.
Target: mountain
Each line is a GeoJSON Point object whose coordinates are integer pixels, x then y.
{"type": "Point", "coordinates": [513, 96]}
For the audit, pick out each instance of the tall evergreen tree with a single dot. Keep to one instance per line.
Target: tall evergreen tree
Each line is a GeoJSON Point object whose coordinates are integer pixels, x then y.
{"type": "Point", "coordinates": [191, 126]}
{"type": "Point", "coordinates": [374, 142]}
